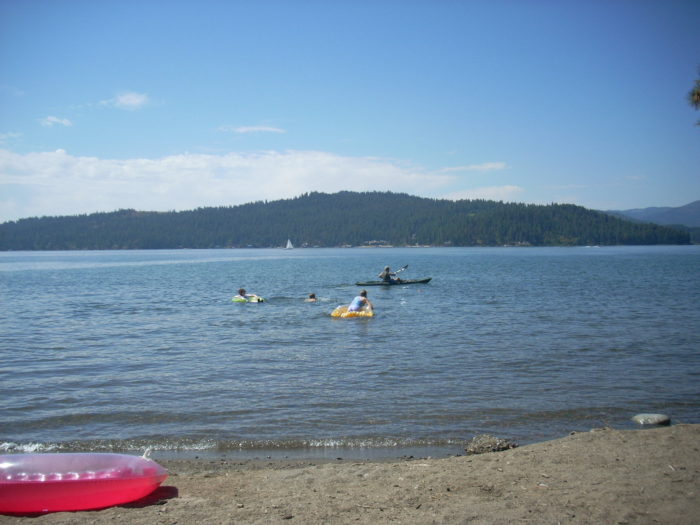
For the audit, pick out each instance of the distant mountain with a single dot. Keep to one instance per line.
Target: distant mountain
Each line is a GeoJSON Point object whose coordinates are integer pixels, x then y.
{"type": "Point", "coordinates": [339, 219]}
{"type": "Point", "coordinates": [688, 215]}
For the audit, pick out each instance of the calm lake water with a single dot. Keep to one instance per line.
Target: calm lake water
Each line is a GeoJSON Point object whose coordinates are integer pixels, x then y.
{"type": "Point", "coordinates": [123, 350]}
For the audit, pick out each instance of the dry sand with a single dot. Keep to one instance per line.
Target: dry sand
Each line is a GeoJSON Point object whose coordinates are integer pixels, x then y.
{"type": "Point", "coordinates": [600, 477]}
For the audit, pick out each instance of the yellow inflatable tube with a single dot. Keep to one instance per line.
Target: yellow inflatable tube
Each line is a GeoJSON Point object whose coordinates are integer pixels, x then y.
{"type": "Point", "coordinates": [342, 312]}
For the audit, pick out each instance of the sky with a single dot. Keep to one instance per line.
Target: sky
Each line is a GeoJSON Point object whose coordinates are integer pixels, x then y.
{"type": "Point", "coordinates": [173, 105]}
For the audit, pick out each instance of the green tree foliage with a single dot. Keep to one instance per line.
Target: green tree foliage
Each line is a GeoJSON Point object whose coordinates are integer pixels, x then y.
{"type": "Point", "coordinates": [694, 95]}
{"type": "Point", "coordinates": [345, 218]}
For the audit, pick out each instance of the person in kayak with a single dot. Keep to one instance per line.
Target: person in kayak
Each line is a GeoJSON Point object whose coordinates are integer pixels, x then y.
{"type": "Point", "coordinates": [388, 276]}
{"type": "Point", "coordinates": [360, 302]}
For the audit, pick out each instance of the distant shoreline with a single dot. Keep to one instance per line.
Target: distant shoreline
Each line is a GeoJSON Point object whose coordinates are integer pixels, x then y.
{"type": "Point", "coordinates": [412, 247]}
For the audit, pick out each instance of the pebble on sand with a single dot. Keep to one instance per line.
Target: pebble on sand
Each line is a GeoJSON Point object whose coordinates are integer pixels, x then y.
{"type": "Point", "coordinates": [652, 419]}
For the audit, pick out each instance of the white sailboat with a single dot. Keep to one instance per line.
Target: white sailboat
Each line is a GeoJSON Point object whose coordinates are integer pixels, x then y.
{"type": "Point", "coordinates": [289, 245]}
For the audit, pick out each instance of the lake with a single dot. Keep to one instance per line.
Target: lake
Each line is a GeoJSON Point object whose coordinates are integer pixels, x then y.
{"type": "Point", "coordinates": [125, 350]}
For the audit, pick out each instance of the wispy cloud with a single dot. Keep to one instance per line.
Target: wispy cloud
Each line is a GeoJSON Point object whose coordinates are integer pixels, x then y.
{"type": "Point", "coordinates": [57, 183]}
{"type": "Point", "coordinates": [130, 101]}
{"type": "Point", "coordinates": [566, 187]}
{"type": "Point", "coordinates": [11, 90]}
{"type": "Point", "coordinates": [486, 166]}
{"type": "Point", "coordinates": [251, 129]}
{"type": "Point", "coordinates": [496, 193]}
{"type": "Point", "coordinates": [50, 121]}
{"type": "Point", "coordinates": [4, 137]}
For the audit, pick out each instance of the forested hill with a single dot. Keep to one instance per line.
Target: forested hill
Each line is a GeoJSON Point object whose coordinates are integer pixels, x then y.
{"type": "Point", "coordinates": [339, 219]}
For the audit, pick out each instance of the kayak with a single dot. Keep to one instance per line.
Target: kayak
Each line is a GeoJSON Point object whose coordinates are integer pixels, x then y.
{"type": "Point", "coordinates": [31, 483]}
{"type": "Point", "coordinates": [254, 299]}
{"type": "Point", "coordinates": [391, 283]}
{"type": "Point", "coordinates": [342, 312]}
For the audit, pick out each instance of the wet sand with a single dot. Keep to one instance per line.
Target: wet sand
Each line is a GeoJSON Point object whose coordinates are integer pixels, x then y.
{"type": "Point", "coordinates": [607, 476]}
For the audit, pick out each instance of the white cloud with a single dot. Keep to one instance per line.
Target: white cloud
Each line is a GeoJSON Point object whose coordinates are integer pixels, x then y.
{"type": "Point", "coordinates": [56, 183]}
{"type": "Point", "coordinates": [51, 120]}
{"type": "Point", "coordinates": [251, 129]}
{"type": "Point", "coordinates": [486, 166]}
{"type": "Point", "coordinates": [4, 137]}
{"type": "Point", "coordinates": [129, 100]}
{"type": "Point", "coordinates": [496, 193]}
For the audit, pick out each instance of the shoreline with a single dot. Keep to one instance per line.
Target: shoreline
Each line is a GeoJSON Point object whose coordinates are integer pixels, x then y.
{"type": "Point", "coordinates": [613, 476]}
{"type": "Point", "coordinates": [329, 453]}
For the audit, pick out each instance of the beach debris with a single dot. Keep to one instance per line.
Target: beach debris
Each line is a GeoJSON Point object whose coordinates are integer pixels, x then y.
{"type": "Point", "coordinates": [652, 419]}
{"type": "Point", "coordinates": [487, 443]}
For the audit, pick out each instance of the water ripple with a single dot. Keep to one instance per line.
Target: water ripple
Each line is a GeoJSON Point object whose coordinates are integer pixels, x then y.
{"type": "Point", "coordinates": [102, 350]}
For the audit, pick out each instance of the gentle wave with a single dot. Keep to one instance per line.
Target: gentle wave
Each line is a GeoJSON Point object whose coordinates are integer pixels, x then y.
{"type": "Point", "coordinates": [351, 448]}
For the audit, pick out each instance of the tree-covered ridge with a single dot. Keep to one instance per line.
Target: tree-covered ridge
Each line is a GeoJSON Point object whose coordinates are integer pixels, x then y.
{"type": "Point", "coordinates": [339, 219]}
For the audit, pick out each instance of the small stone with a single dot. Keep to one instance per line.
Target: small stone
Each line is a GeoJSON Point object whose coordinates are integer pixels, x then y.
{"type": "Point", "coordinates": [652, 419]}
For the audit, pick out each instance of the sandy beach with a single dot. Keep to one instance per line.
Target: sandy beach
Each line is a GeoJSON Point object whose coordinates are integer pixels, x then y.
{"type": "Point", "coordinates": [604, 476]}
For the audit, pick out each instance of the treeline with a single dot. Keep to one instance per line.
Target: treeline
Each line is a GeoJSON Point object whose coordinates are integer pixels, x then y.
{"type": "Point", "coordinates": [339, 219]}
{"type": "Point", "coordinates": [693, 231]}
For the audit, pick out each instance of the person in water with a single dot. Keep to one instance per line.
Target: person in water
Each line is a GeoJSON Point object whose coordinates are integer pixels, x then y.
{"type": "Point", "coordinates": [360, 303]}
{"type": "Point", "coordinates": [250, 297]}
{"type": "Point", "coordinates": [388, 276]}
{"type": "Point", "coordinates": [312, 298]}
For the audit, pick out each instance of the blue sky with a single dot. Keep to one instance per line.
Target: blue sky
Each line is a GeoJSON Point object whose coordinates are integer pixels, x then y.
{"type": "Point", "coordinates": [172, 105]}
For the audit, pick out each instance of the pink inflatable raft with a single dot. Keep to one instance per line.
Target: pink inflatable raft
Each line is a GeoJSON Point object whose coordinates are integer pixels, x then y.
{"type": "Point", "coordinates": [58, 482]}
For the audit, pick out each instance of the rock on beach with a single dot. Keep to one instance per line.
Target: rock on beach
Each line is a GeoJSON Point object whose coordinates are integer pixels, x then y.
{"type": "Point", "coordinates": [652, 419]}
{"type": "Point", "coordinates": [484, 443]}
